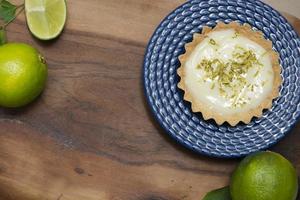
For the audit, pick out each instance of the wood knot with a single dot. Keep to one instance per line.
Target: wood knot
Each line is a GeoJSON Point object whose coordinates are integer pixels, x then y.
{"type": "Point", "coordinates": [79, 170]}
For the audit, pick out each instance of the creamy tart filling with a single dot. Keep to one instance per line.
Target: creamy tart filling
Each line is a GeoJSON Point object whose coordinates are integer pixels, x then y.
{"type": "Point", "coordinates": [229, 73]}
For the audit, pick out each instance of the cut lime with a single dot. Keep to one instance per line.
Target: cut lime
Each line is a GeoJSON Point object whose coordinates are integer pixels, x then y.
{"type": "Point", "coordinates": [46, 18]}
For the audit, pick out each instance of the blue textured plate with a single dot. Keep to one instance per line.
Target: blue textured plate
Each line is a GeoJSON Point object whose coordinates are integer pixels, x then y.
{"type": "Point", "coordinates": [166, 99]}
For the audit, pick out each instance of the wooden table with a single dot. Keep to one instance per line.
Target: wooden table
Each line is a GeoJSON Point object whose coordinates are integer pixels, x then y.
{"type": "Point", "coordinates": [90, 136]}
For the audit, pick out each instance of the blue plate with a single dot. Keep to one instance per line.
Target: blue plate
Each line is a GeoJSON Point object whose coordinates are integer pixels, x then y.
{"type": "Point", "coordinates": [166, 99]}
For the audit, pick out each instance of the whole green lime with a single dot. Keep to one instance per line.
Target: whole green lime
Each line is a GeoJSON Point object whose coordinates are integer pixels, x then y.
{"type": "Point", "coordinates": [23, 74]}
{"type": "Point", "coordinates": [264, 176]}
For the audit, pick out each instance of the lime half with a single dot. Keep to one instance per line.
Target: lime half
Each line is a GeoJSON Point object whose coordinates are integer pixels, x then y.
{"type": "Point", "coordinates": [46, 18]}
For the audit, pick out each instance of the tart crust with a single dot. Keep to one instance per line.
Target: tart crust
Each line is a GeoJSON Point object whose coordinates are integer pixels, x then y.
{"type": "Point", "coordinates": [232, 119]}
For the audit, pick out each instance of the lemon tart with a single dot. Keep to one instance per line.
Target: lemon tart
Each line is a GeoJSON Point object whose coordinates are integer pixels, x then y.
{"type": "Point", "coordinates": [230, 73]}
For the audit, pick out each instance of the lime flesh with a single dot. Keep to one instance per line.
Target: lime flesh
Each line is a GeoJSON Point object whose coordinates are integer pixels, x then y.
{"type": "Point", "coordinates": [46, 18]}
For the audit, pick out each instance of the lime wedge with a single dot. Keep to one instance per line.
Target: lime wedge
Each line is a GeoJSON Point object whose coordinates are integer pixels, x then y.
{"type": "Point", "coordinates": [46, 18]}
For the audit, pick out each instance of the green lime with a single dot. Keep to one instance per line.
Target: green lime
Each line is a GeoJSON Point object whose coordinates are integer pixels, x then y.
{"type": "Point", "coordinates": [264, 176]}
{"type": "Point", "coordinates": [46, 19]}
{"type": "Point", "coordinates": [219, 194]}
{"type": "Point", "coordinates": [23, 74]}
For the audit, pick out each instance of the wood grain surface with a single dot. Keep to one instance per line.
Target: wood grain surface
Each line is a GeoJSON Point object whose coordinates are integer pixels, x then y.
{"type": "Point", "coordinates": [90, 136]}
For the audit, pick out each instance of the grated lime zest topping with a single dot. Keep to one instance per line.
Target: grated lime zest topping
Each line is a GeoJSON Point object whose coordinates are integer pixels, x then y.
{"type": "Point", "coordinates": [212, 42]}
{"type": "Point", "coordinates": [236, 34]}
{"type": "Point", "coordinates": [230, 77]}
